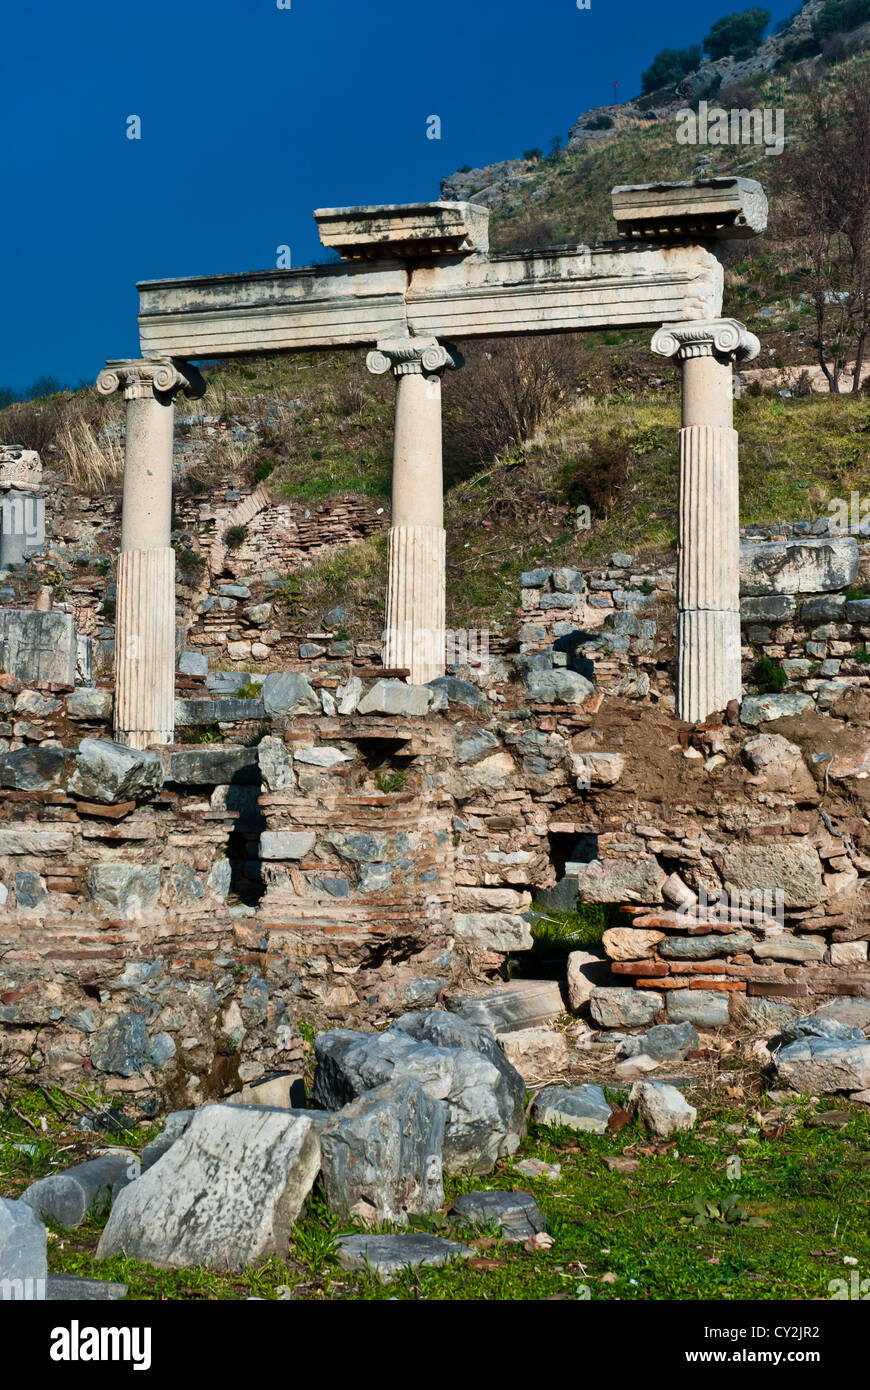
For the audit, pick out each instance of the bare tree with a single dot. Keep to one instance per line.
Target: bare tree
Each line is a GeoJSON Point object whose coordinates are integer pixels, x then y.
{"type": "Point", "coordinates": [827, 175]}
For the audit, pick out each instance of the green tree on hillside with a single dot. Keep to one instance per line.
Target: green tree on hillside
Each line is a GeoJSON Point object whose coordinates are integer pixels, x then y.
{"type": "Point", "coordinates": [737, 35]}
{"type": "Point", "coordinates": [670, 66]}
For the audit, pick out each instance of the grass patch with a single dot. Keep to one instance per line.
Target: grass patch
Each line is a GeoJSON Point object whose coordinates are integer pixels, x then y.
{"type": "Point", "coordinates": [802, 1201]}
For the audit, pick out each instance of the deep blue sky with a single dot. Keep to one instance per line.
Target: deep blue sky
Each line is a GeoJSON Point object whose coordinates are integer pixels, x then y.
{"type": "Point", "coordinates": [252, 116]}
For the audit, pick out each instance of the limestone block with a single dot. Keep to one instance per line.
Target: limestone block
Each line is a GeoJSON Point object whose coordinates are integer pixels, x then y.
{"type": "Point", "coordinates": [37, 842]}
{"type": "Point", "coordinates": [597, 769]}
{"type": "Point", "coordinates": [39, 646]}
{"type": "Point", "coordinates": [22, 1251]}
{"type": "Point", "coordinates": [791, 867]}
{"type": "Point", "coordinates": [586, 970]}
{"type": "Point", "coordinates": [214, 767]}
{"type": "Point", "coordinates": [849, 953]}
{"type": "Point", "coordinates": [759, 709]}
{"type": "Point", "coordinates": [88, 704]}
{"type": "Point", "coordinates": [637, 878]}
{"type": "Point", "coordinates": [631, 943]}
{"type": "Point", "coordinates": [227, 1192]}
{"type": "Point", "coordinates": [778, 765]}
{"type": "Point", "coordinates": [579, 1107]}
{"type": "Point", "coordinates": [624, 1008]}
{"type": "Point", "coordinates": [288, 692]}
{"type": "Point", "coordinates": [704, 1008]}
{"type": "Point", "coordinates": [663, 1043]}
{"type": "Point", "coordinates": [798, 566]}
{"type": "Point", "coordinates": [823, 1065]}
{"type": "Point", "coordinates": [517, 1214]}
{"type": "Point", "coordinates": [36, 769]}
{"type": "Point", "coordinates": [536, 1052]}
{"type": "Point", "coordinates": [111, 772]}
{"type": "Point", "coordinates": [382, 1154]}
{"type": "Point", "coordinates": [394, 697]}
{"type": "Point", "coordinates": [558, 687]}
{"type": "Point", "coordinates": [492, 931]}
{"type": "Point", "coordinates": [663, 1109]}
{"type": "Point", "coordinates": [286, 844]}
{"type": "Point", "coordinates": [515, 1005]}
{"type": "Point", "coordinates": [128, 887]}
{"type": "Point", "coordinates": [387, 1256]}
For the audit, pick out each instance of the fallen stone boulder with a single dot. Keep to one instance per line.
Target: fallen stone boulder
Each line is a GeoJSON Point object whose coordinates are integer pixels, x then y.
{"type": "Point", "coordinates": [382, 1154]}
{"type": "Point", "coordinates": [663, 1109]}
{"type": "Point", "coordinates": [517, 1214]}
{"type": "Point", "coordinates": [536, 1052]}
{"type": "Point", "coordinates": [387, 1256]}
{"type": "Point", "coordinates": [111, 772]}
{"type": "Point", "coordinates": [822, 1065]}
{"type": "Point", "coordinates": [68, 1197]}
{"type": "Point", "coordinates": [227, 1192]}
{"type": "Point", "coordinates": [579, 1107]}
{"type": "Point", "coordinates": [461, 1064]}
{"type": "Point", "coordinates": [23, 1265]}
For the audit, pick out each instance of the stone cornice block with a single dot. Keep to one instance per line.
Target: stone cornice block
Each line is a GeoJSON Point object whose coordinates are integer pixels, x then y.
{"type": "Point", "coordinates": [708, 209]}
{"type": "Point", "coordinates": [407, 230]}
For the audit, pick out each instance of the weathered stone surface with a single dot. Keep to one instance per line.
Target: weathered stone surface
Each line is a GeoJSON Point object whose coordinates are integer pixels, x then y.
{"type": "Point", "coordinates": [760, 709]}
{"type": "Point", "coordinates": [534, 579]}
{"type": "Point", "coordinates": [665, 1042]}
{"type": "Point", "coordinates": [39, 646]}
{"type": "Point", "coordinates": [704, 1007]}
{"type": "Point", "coordinates": [635, 878]}
{"type": "Point", "coordinates": [663, 1109]}
{"type": "Point", "coordinates": [388, 1256]}
{"type": "Point", "coordinates": [36, 769]}
{"type": "Point", "coordinates": [517, 1214]}
{"type": "Point", "coordinates": [631, 943]}
{"type": "Point", "coordinates": [517, 1005]}
{"type": "Point", "coordinates": [35, 841]}
{"type": "Point", "coordinates": [127, 887]}
{"type": "Point", "coordinates": [173, 1127]}
{"type": "Point", "coordinates": [325, 758]}
{"type": "Point", "coordinates": [276, 764]}
{"type": "Point", "coordinates": [778, 766]}
{"type": "Point", "coordinates": [798, 567]}
{"type": "Point", "coordinates": [705, 947]}
{"type": "Point", "coordinates": [473, 744]}
{"type": "Point", "coordinates": [557, 687]}
{"type": "Point", "coordinates": [597, 769]}
{"type": "Point", "coordinates": [123, 1048]}
{"type": "Point", "coordinates": [820, 1065]}
{"type": "Point", "coordinates": [288, 692]}
{"type": "Point", "coordinates": [226, 1193]}
{"type": "Point", "coordinates": [285, 1091]}
{"type": "Point", "coordinates": [791, 948]}
{"type": "Point", "coordinates": [471, 899]}
{"type": "Point", "coordinates": [777, 608]}
{"type": "Point", "coordinates": [286, 844]}
{"type": "Point", "coordinates": [214, 767]}
{"type": "Point", "coordinates": [586, 970]}
{"type": "Point", "coordinates": [221, 711]}
{"type": "Point", "coordinates": [791, 867]}
{"type": "Point", "coordinates": [536, 1052]}
{"type": "Point", "coordinates": [111, 772]}
{"type": "Point", "coordinates": [578, 1107]}
{"type": "Point", "coordinates": [623, 1008]}
{"type": "Point", "coordinates": [394, 697]}
{"type": "Point", "coordinates": [493, 931]}
{"type": "Point", "coordinates": [68, 1197]}
{"type": "Point", "coordinates": [450, 690]}
{"type": "Point", "coordinates": [453, 1061]}
{"type": "Point", "coordinates": [850, 1010]}
{"type": "Point", "coordinates": [382, 1154]}
{"type": "Point", "coordinates": [72, 1288]}
{"type": "Point", "coordinates": [814, 1026]}
{"type": "Point", "coordinates": [94, 704]}
{"type": "Point", "coordinates": [22, 1248]}
{"type": "Point", "coordinates": [193, 664]}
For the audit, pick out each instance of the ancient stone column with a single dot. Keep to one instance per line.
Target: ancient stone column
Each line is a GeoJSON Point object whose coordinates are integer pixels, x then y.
{"type": "Point", "coordinates": [145, 604]}
{"type": "Point", "coordinates": [414, 635]}
{"type": "Point", "coordinates": [708, 574]}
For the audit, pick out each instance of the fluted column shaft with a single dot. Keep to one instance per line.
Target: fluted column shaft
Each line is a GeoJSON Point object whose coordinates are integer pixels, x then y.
{"type": "Point", "coordinates": [708, 571]}
{"type": "Point", "coordinates": [415, 625]}
{"type": "Point", "coordinates": [145, 603]}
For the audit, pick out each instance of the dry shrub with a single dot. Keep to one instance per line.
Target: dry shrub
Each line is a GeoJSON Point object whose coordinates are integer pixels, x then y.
{"type": "Point", "coordinates": [598, 478]}
{"type": "Point", "coordinates": [507, 390]}
{"type": "Point", "coordinates": [95, 463]}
